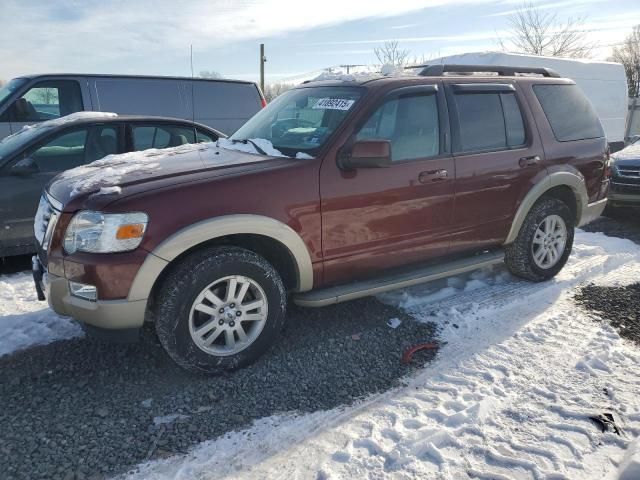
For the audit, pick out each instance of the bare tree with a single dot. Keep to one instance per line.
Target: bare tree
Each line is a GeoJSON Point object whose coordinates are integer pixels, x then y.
{"type": "Point", "coordinates": [390, 54]}
{"type": "Point", "coordinates": [272, 90]}
{"type": "Point", "coordinates": [209, 74]}
{"type": "Point", "coordinates": [536, 32]}
{"type": "Point", "coordinates": [628, 54]}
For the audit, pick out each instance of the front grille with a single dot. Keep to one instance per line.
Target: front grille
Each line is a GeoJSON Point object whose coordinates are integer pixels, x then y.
{"type": "Point", "coordinates": [628, 171]}
{"type": "Point", "coordinates": [629, 188]}
{"type": "Point", "coordinates": [44, 224]}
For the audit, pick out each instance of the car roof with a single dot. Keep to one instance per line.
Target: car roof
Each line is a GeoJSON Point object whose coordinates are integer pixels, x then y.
{"type": "Point", "coordinates": [158, 77]}
{"type": "Point", "coordinates": [98, 118]}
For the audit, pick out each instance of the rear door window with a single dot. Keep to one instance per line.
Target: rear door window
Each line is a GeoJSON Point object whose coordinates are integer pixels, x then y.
{"type": "Point", "coordinates": [161, 136]}
{"type": "Point", "coordinates": [488, 121]}
{"type": "Point", "coordinates": [410, 123]}
{"type": "Point", "coordinates": [569, 112]}
{"type": "Point", "coordinates": [48, 100]}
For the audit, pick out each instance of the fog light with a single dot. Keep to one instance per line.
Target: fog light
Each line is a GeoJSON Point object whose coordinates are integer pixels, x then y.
{"type": "Point", "coordinates": [81, 290]}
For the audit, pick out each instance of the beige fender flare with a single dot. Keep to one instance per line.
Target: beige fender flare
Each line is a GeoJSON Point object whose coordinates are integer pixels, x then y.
{"type": "Point", "coordinates": [206, 230]}
{"type": "Point", "coordinates": [556, 179]}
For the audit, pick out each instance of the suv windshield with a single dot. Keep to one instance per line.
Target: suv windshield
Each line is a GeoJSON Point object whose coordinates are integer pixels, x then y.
{"type": "Point", "coordinates": [301, 120]}
{"type": "Point", "coordinates": [9, 88]}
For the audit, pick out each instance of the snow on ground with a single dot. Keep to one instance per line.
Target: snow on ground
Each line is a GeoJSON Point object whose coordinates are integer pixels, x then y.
{"type": "Point", "coordinates": [24, 321]}
{"type": "Point", "coordinates": [509, 396]}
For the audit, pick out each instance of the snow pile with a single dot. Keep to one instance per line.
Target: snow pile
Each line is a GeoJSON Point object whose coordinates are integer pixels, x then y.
{"type": "Point", "coordinates": [24, 321]}
{"type": "Point", "coordinates": [247, 147]}
{"type": "Point", "coordinates": [508, 396]}
{"type": "Point", "coordinates": [56, 122]}
{"type": "Point", "coordinates": [630, 466]}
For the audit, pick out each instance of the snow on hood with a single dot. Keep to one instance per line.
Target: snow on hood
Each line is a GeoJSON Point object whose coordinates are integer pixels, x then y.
{"type": "Point", "coordinates": [56, 122]}
{"type": "Point", "coordinates": [111, 170]}
{"type": "Point", "coordinates": [632, 152]}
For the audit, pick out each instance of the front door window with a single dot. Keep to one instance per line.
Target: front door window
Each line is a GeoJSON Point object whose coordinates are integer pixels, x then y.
{"type": "Point", "coordinates": [48, 100]}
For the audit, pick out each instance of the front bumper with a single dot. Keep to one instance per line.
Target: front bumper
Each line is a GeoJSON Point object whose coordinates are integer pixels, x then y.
{"type": "Point", "coordinates": [104, 314]}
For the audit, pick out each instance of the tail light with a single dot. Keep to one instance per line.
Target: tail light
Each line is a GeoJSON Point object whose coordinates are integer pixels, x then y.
{"type": "Point", "coordinates": [264, 103]}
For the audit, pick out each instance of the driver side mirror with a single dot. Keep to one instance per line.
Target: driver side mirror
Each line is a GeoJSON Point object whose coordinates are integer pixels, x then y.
{"type": "Point", "coordinates": [367, 154]}
{"type": "Point", "coordinates": [24, 168]}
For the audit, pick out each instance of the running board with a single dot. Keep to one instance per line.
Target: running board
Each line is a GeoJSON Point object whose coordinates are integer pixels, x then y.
{"type": "Point", "coordinates": [351, 291]}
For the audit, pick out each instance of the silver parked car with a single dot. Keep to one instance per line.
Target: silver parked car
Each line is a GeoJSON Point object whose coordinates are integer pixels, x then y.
{"type": "Point", "coordinates": [221, 104]}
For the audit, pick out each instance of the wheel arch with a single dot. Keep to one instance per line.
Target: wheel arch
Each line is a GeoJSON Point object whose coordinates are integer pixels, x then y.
{"type": "Point", "coordinates": [566, 186]}
{"type": "Point", "coordinates": [268, 237]}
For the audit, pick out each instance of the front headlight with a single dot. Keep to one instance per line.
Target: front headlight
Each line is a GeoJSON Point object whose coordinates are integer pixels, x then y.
{"type": "Point", "coordinates": [97, 232]}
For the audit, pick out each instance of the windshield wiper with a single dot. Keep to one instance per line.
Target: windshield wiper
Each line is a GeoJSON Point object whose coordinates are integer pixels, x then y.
{"type": "Point", "coordinates": [245, 141]}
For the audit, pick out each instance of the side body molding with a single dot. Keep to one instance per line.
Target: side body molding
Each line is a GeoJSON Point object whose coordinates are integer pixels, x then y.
{"type": "Point", "coordinates": [206, 230]}
{"type": "Point", "coordinates": [556, 179]}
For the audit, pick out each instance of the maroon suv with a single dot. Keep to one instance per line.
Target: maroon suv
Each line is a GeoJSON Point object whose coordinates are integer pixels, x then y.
{"type": "Point", "coordinates": [337, 190]}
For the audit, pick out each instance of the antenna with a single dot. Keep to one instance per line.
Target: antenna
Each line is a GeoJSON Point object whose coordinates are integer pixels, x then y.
{"type": "Point", "coordinates": [193, 102]}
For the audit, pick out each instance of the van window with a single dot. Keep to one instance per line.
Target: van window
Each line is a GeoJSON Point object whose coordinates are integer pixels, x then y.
{"type": "Point", "coordinates": [488, 121]}
{"type": "Point", "coordinates": [410, 123]}
{"type": "Point", "coordinates": [165, 136]}
{"type": "Point", "coordinates": [570, 114]}
{"type": "Point", "coordinates": [48, 100]}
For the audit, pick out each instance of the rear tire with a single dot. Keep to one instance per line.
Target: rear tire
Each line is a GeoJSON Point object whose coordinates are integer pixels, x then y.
{"type": "Point", "coordinates": [220, 309]}
{"type": "Point", "coordinates": [544, 242]}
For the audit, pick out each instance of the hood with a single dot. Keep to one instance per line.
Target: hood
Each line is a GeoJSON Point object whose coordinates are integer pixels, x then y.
{"type": "Point", "coordinates": [114, 173]}
{"type": "Point", "coordinates": [629, 156]}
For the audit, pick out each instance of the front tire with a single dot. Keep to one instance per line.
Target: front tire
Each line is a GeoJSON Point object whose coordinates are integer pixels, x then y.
{"type": "Point", "coordinates": [220, 309]}
{"type": "Point", "coordinates": [544, 242]}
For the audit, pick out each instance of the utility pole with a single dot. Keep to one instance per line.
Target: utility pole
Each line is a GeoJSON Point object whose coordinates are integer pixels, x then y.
{"type": "Point", "coordinates": [263, 59]}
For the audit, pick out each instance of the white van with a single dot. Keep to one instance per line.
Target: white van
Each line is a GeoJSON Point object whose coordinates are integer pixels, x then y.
{"type": "Point", "coordinates": [221, 104]}
{"type": "Point", "coordinates": [604, 83]}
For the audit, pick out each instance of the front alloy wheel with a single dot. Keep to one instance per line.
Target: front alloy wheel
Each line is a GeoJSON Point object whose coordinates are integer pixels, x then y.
{"type": "Point", "coordinates": [219, 309]}
{"type": "Point", "coordinates": [228, 315]}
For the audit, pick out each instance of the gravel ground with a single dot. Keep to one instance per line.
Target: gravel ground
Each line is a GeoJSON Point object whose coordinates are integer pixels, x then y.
{"type": "Point", "coordinates": [620, 306]}
{"type": "Point", "coordinates": [85, 409]}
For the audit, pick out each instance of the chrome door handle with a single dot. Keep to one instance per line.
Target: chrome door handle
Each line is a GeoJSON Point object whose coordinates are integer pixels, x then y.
{"type": "Point", "coordinates": [529, 161]}
{"type": "Point", "coordinates": [433, 176]}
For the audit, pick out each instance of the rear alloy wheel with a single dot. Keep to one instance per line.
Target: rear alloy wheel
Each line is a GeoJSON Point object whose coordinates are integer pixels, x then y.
{"type": "Point", "coordinates": [549, 241]}
{"type": "Point", "coordinates": [219, 309]}
{"type": "Point", "coordinates": [544, 242]}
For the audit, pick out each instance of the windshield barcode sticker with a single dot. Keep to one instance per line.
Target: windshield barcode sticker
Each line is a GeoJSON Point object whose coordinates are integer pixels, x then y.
{"type": "Point", "coordinates": [334, 104]}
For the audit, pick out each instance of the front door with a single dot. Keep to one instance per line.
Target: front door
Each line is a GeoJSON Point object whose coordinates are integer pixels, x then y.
{"type": "Point", "coordinates": [46, 100]}
{"type": "Point", "coordinates": [378, 218]}
{"type": "Point", "coordinates": [23, 179]}
{"type": "Point", "coordinates": [497, 154]}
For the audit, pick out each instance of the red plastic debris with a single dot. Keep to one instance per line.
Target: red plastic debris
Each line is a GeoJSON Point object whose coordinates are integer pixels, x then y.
{"type": "Point", "coordinates": [407, 356]}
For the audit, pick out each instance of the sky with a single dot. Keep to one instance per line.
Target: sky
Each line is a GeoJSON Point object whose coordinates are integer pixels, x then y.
{"type": "Point", "coordinates": [155, 37]}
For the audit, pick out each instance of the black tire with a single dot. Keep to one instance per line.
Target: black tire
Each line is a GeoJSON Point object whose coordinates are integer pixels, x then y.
{"type": "Point", "coordinates": [519, 254]}
{"type": "Point", "coordinates": [184, 284]}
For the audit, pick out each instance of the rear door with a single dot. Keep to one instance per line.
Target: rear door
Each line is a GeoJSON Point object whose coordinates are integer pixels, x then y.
{"type": "Point", "coordinates": [379, 218]}
{"type": "Point", "coordinates": [20, 191]}
{"type": "Point", "coordinates": [498, 155]}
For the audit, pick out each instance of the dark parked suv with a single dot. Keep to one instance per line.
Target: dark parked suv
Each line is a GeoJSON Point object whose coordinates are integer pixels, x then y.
{"type": "Point", "coordinates": [337, 190]}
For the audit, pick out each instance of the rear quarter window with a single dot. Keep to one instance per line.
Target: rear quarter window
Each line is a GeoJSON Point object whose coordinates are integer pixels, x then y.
{"type": "Point", "coordinates": [569, 112]}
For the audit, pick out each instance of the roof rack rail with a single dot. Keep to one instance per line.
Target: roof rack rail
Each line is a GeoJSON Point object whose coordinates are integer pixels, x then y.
{"type": "Point", "coordinates": [439, 70]}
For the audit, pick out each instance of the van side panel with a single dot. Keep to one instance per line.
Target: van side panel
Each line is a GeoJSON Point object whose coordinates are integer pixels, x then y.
{"type": "Point", "coordinates": [141, 96]}
{"type": "Point", "coordinates": [225, 106]}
